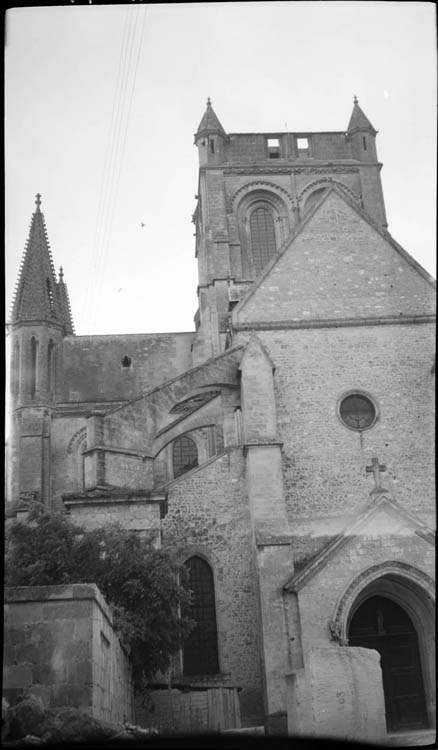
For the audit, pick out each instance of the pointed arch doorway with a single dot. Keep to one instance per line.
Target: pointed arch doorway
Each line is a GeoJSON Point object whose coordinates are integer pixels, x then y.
{"type": "Point", "coordinates": [382, 624]}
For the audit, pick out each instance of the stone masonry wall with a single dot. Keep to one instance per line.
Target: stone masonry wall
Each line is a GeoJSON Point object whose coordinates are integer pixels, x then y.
{"type": "Point", "coordinates": [315, 368]}
{"type": "Point", "coordinates": [59, 644]}
{"type": "Point", "coordinates": [92, 367]}
{"type": "Point", "coordinates": [135, 514]}
{"type": "Point", "coordinates": [209, 515]}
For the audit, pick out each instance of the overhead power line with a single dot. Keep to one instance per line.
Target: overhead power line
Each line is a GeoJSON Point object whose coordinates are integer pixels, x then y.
{"type": "Point", "coordinates": [130, 52]}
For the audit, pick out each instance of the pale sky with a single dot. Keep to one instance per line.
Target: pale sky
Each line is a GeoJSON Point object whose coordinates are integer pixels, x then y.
{"type": "Point", "coordinates": [101, 104]}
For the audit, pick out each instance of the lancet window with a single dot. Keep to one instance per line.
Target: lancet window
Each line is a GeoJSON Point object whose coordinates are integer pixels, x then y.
{"type": "Point", "coordinates": [200, 652]}
{"type": "Point", "coordinates": [33, 366]}
{"type": "Point", "coordinates": [50, 367]}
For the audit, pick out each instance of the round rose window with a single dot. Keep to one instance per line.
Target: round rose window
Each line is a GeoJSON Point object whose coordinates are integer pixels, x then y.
{"type": "Point", "coordinates": [357, 412]}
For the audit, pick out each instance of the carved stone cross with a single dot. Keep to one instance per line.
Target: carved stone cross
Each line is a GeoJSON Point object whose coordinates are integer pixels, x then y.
{"type": "Point", "coordinates": [376, 468]}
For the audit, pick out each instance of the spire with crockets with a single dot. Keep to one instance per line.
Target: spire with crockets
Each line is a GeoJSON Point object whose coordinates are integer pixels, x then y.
{"type": "Point", "coordinates": [38, 295]}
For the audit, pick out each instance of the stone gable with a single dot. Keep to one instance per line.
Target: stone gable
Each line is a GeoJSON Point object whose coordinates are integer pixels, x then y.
{"type": "Point", "coordinates": [338, 266]}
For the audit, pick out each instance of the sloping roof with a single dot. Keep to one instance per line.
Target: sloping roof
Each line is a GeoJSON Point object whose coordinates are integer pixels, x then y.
{"type": "Point", "coordinates": [358, 120]}
{"type": "Point", "coordinates": [382, 502]}
{"type": "Point", "coordinates": [38, 297]}
{"type": "Point", "coordinates": [210, 122]}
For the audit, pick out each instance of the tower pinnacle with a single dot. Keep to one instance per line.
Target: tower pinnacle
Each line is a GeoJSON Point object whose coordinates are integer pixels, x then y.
{"type": "Point", "coordinates": [209, 123]}
{"type": "Point", "coordinates": [358, 120]}
{"type": "Point", "coordinates": [38, 296]}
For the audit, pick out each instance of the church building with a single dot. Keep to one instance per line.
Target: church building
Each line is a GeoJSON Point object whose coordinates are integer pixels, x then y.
{"type": "Point", "coordinates": [284, 447]}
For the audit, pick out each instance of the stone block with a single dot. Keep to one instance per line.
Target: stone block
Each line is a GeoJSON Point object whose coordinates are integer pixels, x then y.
{"type": "Point", "coordinates": [19, 676]}
{"type": "Point", "coordinates": [9, 655]}
{"type": "Point", "coordinates": [13, 636]}
{"type": "Point", "coordinates": [62, 630]}
{"type": "Point", "coordinates": [23, 613]}
{"type": "Point", "coordinates": [77, 649]}
{"type": "Point", "coordinates": [80, 672]}
{"type": "Point", "coordinates": [41, 636]}
{"type": "Point", "coordinates": [77, 696]}
{"type": "Point", "coordinates": [338, 695]}
{"type": "Point", "coordinates": [83, 630]}
{"type": "Point", "coordinates": [43, 674]}
{"type": "Point", "coordinates": [31, 652]}
{"type": "Point", "coordinates": [65, 610]}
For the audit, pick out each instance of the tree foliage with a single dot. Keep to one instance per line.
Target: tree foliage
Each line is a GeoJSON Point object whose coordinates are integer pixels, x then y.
{"type": "Point", "coordinates": [145, 588]}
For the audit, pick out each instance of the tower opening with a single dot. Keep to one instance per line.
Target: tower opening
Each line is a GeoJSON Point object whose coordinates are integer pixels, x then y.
{"type": "Point", "coordinates": [381, 624]}
{"type": "Point", "coordinates": [50, 367]}
{"type": "Point", "coordinates": [33, 366]}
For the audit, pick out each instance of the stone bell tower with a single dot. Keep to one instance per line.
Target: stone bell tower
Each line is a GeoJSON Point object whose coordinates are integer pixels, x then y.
{"type": "Point", "coordinates": [254, 192]}
{"type": "Point", "coordinates": [40, 319]}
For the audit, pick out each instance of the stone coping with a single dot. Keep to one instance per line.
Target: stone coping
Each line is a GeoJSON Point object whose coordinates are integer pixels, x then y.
{"type": "Point", "coordinates": [46, 594]}
{"type": "Point", "coordinates": [121, 494]}
{"type": "Point", "coordinates": [273, 325]}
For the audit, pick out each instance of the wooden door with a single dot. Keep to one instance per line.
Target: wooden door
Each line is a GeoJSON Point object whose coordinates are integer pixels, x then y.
{"type": "Point", "coordinates": [383, 625]}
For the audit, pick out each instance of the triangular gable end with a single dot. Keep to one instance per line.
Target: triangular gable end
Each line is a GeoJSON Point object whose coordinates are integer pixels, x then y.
{"type": "Point", "coordinates": [375, 520]}
{"type": "Point", "coordinates": [337, 265]}
{"type": "Point", "coordinates": [255, 348]}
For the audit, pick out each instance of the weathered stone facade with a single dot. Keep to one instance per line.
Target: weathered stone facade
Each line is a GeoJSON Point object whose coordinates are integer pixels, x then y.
{"type": "Point", "coordinates": [302, 511]}
{"type": "Point", "coordinates": [60, 645]}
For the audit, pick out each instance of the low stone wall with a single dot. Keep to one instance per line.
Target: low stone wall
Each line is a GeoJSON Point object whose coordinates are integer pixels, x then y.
{"type": "Point", "coordinates": [59, 644]}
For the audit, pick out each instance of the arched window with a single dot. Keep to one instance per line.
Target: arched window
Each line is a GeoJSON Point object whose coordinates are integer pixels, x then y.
{"type": "Point", "coordinates": [200, 652]}
{"type": "Point", "coordinates": [264, 220]}
{"type": "Point", "coordinates": [185, 455]}
{"type": "Point", "coordinates": [75, 450]}
{"type": "Point", "coordinates": [263, 242]}
{"type": "Point", "coordinates": [50, 367]}
{"type": "Point", "coordinates": [33, 366]}
{"type": "Point", "coordinates": [16, 369]}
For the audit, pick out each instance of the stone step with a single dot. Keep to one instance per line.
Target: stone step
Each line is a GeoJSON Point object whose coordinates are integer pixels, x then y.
{"type": "Point", "coordinates": [411, 739]}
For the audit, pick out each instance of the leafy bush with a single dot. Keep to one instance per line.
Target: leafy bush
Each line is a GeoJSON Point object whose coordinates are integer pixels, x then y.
{"type": "Point", "coordinates": [145, 588]}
